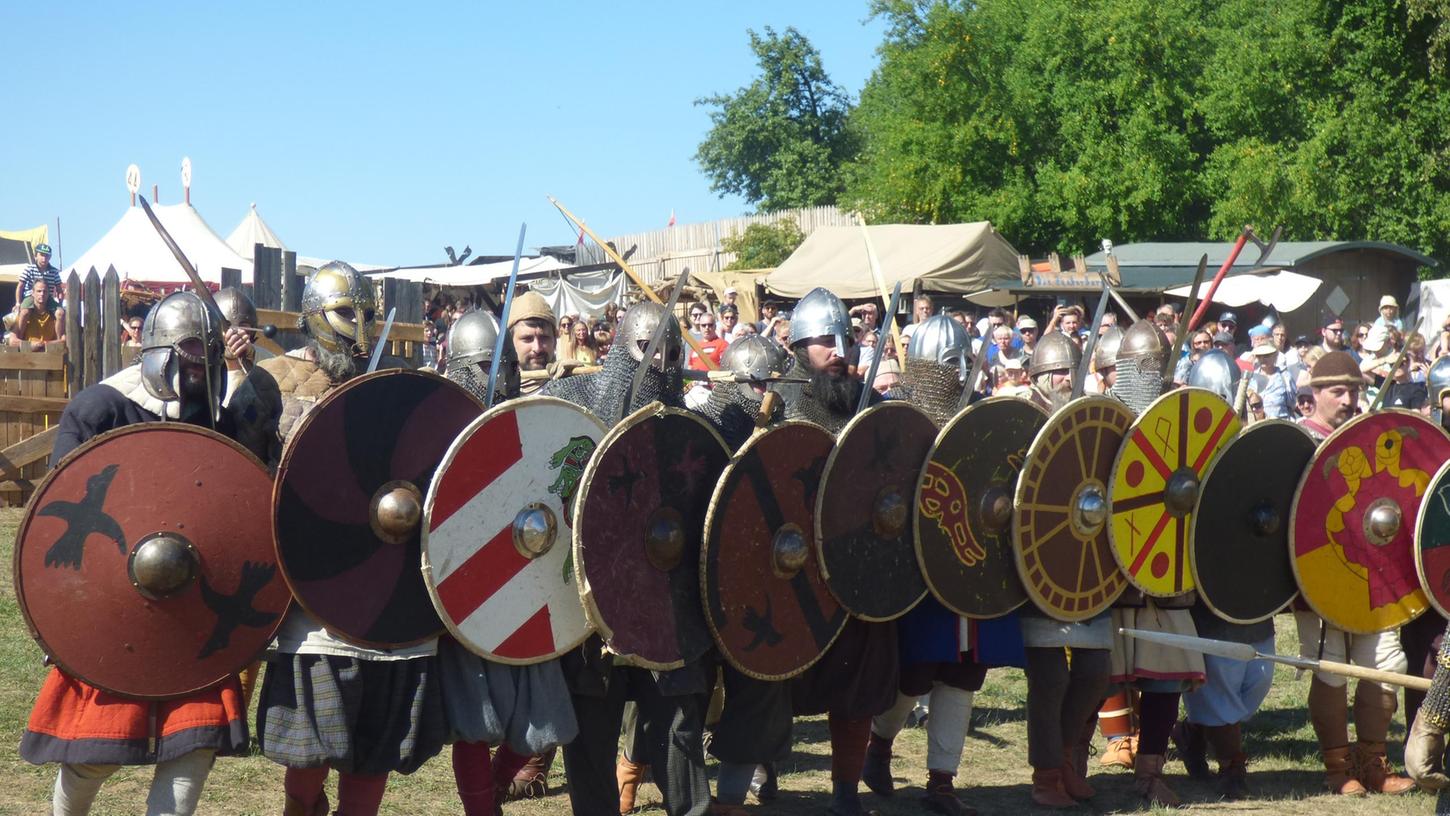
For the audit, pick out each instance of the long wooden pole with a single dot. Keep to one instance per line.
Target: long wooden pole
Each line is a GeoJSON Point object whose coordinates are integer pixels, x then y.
{"type": "Point", "coordinates": [633, 275]}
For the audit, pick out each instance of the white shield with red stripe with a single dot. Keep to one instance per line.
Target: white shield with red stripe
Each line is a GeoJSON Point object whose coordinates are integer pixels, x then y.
{"type": "Point", "coordinates": [497, 527]}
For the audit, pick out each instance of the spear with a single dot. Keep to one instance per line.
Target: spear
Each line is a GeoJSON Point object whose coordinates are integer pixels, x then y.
{"type": "Point", "coordinates": [1246, 652]}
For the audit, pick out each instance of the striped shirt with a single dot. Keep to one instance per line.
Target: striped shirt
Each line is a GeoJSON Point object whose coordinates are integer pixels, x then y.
{"type": "Point", "coordinates": [32, 273]}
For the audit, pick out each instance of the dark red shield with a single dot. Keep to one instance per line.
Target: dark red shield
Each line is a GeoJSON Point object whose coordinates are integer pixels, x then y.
{"type": "Point", "coordinates": [765, 599]}
{"type": "Point", "coordinates": [496, 544]}
{"type": "Point", "coordinates": [348, 503]}
{"type": "Point", "coordinates": [1432, 541]}
{"type": "Point", "coordinates": [865, 508]}
{"type": "Point", "coordinates": [637, 531]}
{"type": "Point", "coordinates": [1059, 524]}
{"type": "Point", "coordinates": [1239, 550]}
{"type": "Point", "coordinates": [143, 567]}
{"type": "Point", "coordinates": [1354, 514]}
{"type": "Point", "coordinates": [964, 507]}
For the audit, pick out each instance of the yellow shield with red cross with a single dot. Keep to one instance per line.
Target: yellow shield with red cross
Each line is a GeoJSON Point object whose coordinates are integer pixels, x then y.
{"type": "Point", "coordinates": [1155, 484]}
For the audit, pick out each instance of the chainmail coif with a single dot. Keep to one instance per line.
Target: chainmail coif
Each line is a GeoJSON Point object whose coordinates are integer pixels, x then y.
{"type": "Point", "coordinates": [1139, 383]}
{"type": "Point", "coordinates": [733, 413]}
{"type": "Point", "coordinates": [933, 387]}
{"type": "Point", "coordinates": [602, 393]}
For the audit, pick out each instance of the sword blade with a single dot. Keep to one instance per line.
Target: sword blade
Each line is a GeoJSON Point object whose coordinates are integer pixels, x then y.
{"type": "Point", "coordinates": [508, 302]}
{"type": "Point", "coordinates": [1171, 362]}
{"type": "Point", "coordinates": [1079, 377]}
{"type": "Point", "coordinates": [1217, 648]}
{"type": "Point", "coordinates": [654, 342]}
{"type": "Point", "coordinates": [382, 340]}
{"type": "Point", "coordinates": [979, 363]}
{"type": "Point", "coordinates": [202, 290]}
{"type": "Point", "coordinates": [880, 351]}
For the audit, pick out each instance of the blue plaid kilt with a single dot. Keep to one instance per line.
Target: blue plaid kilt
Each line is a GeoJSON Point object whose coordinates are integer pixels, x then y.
{"type": "Point", "coordinates": [363, 717]}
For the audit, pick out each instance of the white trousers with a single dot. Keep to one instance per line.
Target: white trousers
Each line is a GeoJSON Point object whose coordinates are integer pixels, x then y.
{"type": "Point", "coordinates": [175, 787]}
{"type": "Point", "coordinates": [1381, 651]}
{"type": "Point", "coordinates": [946, 728]}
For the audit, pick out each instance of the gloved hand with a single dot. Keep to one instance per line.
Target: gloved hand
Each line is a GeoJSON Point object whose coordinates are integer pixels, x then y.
{"type": "Point", "coordinates": [1424, 755]}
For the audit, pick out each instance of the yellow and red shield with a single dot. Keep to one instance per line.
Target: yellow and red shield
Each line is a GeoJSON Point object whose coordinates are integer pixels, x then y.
{"type": "Point", "coordinates": [1155, 484]}
{"type": "Point", "coordinates": [1354, 520]}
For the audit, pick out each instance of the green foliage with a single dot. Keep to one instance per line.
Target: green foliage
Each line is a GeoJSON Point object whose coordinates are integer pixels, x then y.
{"type": "Point", "coordinates": [779, 142]}
{"type": "Point", "coordinates": [763, 246]}
{"type": "Point", "coordinates": [1067, 121]}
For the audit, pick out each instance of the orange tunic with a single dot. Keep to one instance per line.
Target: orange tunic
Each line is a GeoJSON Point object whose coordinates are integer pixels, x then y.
{"type": "Point", "coordinates": [73, 721]}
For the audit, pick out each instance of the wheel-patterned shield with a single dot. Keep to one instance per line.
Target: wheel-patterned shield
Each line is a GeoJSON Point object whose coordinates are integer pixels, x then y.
{"type": "Point", "coordinates": [864, 511]}
{"type": "Point", "coordinates": [142, 565]}
{"type": "Point", "coordinates": [964, 507]}
{"type": "Point", "coordinates": [1432, 541]}
{"type": "Point", "coordinates": [765, 599]}
{"type": "Point", "coordinates": [497, 530]}
{"type": "Point", "coordinates": [1353, 520]}
{"type": "Point", "coordinates": [1059, 518]}
{"type": "Point", "coordinates": [1239, 549]}
{"type": "Point", "coordinates": [348, 503]}
{"type": "Point", "coordinates": [637, 532]}
{"type": "Point", "coordinates": [1155, 483]}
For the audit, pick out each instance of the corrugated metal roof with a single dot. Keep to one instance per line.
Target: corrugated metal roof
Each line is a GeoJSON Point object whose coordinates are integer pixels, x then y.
{"type": "Point", "coordinates": [1155, 266]}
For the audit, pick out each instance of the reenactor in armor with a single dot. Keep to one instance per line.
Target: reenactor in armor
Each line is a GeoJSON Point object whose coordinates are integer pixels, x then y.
{"type": "Point", "coordinates": [1139, 382]}
{"type": "Point", "coordinates": [858, 677]}
{"type": "Point", "coordinates": [1105, 358]}
{"type": "Point", "coordinates": [1348, 770]}
{"type": "Point", "coordinates": [514, 770]}
{"type": "Point", "coordinates": [309, 718]}
{"type": "Point", "coordinates": [935, 375]}
{"type": "Point", "coordinates": [671, 704]}
{"type": "Point", "coordinates": [181, 376]}
{"type": "Point", "coordinates": [734, 407]}
{"type": "Point", "coordinates": [1053, 363]}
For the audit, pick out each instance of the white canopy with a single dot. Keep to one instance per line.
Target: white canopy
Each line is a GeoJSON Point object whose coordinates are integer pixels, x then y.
{"type": "Point", "coordinates": [475, 274]}
{"type": "Point", "coordinates": [252, 231]}
{"type": "Point", "coordinates": [961, 258]}
{"type": "Point", "coordinates": [1284, 290]}
{"type": "Point", "coordinates": [139, 254]}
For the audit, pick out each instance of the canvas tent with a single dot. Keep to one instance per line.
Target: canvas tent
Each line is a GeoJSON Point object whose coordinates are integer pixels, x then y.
{"type": "Point", "coordinates": [960, 258]}
{"type": "Point", "coordinates": [473, 274]}
{"type": "Point", "coordinates": [139, 254]}
{"type": "Point", "coordinates": [252, 231]}
{"type": "Point", "coordinates": [17, 249]}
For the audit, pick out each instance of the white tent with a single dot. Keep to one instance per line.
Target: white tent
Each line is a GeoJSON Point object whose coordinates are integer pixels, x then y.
{"type": "Point", "coordinates": [252, 231]}
{"type": "Point", "coordinates": [1283, 290]}
{"type": "Point", "coordinates": [474, 274]}
{"type": "Point", "coordinates": [139, 254]}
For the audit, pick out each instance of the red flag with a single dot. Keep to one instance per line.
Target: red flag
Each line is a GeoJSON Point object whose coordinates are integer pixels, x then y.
{"type": "Point", "coordinates": [672, 218]}
{"type": "Point", "coordinates": [581, 235]}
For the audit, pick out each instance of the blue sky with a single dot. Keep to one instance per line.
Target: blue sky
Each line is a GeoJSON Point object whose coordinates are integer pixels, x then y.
{"type": "Point", "coordinates": [382, 132]}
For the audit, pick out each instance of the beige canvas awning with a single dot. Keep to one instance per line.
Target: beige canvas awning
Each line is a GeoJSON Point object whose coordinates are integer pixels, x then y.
{"type": "Point", "coordinates": [961, 258]}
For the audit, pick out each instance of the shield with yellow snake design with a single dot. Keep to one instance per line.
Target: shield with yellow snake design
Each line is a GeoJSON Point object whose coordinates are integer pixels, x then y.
{"type": "Point", "coordinates": [1352, 536]}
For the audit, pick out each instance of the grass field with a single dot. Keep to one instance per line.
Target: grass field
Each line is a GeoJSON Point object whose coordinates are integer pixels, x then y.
{"type": "Point", "coordinates": [1284, 759]}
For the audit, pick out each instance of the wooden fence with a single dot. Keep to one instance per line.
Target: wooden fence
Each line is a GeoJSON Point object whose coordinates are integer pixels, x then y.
{"type": "Point", "coordinates": [35, 386]}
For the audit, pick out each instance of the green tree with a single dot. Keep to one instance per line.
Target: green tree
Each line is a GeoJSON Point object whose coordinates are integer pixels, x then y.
{"type": "Point", "coordinates": [781, 141]}
{"type": "Point", "coordinates": [763, 246]}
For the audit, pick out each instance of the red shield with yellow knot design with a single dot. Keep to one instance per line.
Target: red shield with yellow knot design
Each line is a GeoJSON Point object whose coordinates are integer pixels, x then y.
{"type": "Point", "coordinates": [1354, 514]}
{"type": "Point", "coordinates": [964, 507]}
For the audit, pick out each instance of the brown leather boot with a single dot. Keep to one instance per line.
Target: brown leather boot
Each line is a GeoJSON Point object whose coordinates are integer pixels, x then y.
{"type": "Point", "coordinates": [1192, 744]}
{"type": "Point", "coordinates": [941, 797]}
{"type": "Point", "coordinates": [876, 772]}
{"type": "Point", "coordinates": [1120, 752]}
{"type": "Point", "coordinates": [294, 807]}
{"type": "Point", "coordinates": [1047, 790]}
{"type": "Point", "coordinates": [1148, 779]}
{"type": "Point", "coordinates": [1074, 776]}
{"type": "Point", "coordinates": [629, 775]}
{"type": "Point", "coordinates": [1373, 770]}
{"type": "Point", "coordinates": [1339, 773]}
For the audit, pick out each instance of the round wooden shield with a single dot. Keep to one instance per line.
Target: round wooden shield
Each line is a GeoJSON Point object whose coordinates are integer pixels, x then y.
{"type": "Point", "coordinates": [1239, 549]}
{"type": "Point", "coordinates": [497, 554]}
{"type": "Point", "coordinates": [142, 565]}
{"type": "Point", "coordinates": [765, 599]}
{"type": "Point", "coordinates": [1155, 482]}
{"type": "Point", "coordinates": [1060, 515]}
{"type": "Point", "coordinates": [864, 511]}
{"type": "Point", "coordinates": [964, 507]}
{"type": "Point", "coordinates": [1432, 541]}
{"type": "Point", "coordinates": [348, 503]}
{"type": "Point", "coordinates": [1353, 520]}
{"type": "Point", "coordinates": [637, 533]}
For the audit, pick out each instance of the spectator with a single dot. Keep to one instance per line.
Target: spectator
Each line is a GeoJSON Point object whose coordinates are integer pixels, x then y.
{"type": "Point", "coordinates": [1228, 322]}
{"type": "Point", "coordinates": [698, 311]}
{"type": "Point", "coordinates": [581, 344]}
{"type": "Point", "coordinates": [603, 337]}
{"type": "Point", "coordinates": [1419, 363]}
{"type": "Point", "coordinates": [1255, 405]}
{"type": "Point", "coordinates": [1258, 336]}
{"type": "Point", "coordinates": [1403, 391]}
{"type": "Point", "coordinates": [1306, 366]}
{"type": "Point", "coordinates": [1303, 402]}
{"type": "Point", "coordinates": [1027, 330]}
{"type": "Point", "coordinates": [730, 299]}
{"type": "Point", "coordinates": [779, 330]}
{"type": "Point", "coordinates": [1012, 379]}
{"type": "Point", "coordinates": [1271, 385]}
{"type": "Point", "coordinates": [1224, 342]}
{"type": "Point", "coordinates": [1356, 340]}
{"type": "Point", "coordinates": [921, 309]}
{"type": "Point", "coordinates": [1442, 342]}
{"type": "Point", "coordinates": [431, 358]}
{"type": "Point", "coordinates": [39, 270]}
{"type": "Point", "coordinates": [710, 343]}
{"type": "Point", "coordinates": [1390, 314]}
{"type": "Point", "coordinates": [1109, 321]}
{"type": "Point", "coordinates": [1280, 337]}
{"type": "Point", "coordinates": [566, 332]}
{"type": "Point", "coordinates": [1067, 319]}
{"type": "Point", "coordinates": [131, 332]}
{"type": "Point", "coordinates": [729, 320]}
{"type": "Point", "coordinates": [746, 329]}
{"type": "Point", "coordinates": [1332, 334]}
{"type": "Point", "coordinates": [41, 319]}
{"type": "Point", "coordinates": [767, 314]}
{"type": "Point", "coordinates": [888, 376]}
{"type": "Point", "coordinates": [1001, 349]}
{"type": "Point", "coordinates": [1198, 343]}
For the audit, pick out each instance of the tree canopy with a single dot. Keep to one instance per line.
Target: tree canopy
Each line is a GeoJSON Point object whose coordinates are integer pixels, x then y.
{"type": "Point", "coordinates": [1067, 121]}
{"type": "Point", "coordinates": [780, 141]}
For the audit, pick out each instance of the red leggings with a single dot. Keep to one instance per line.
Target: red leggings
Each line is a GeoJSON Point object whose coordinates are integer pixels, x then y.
{"type": "Point", "coordinates": [848, 747]}
{"type": "Point", "coordinates": [356, 795]}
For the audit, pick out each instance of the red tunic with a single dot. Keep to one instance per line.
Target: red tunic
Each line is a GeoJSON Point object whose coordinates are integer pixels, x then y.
{"type": "Point", "coordinates": [75, 722]}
